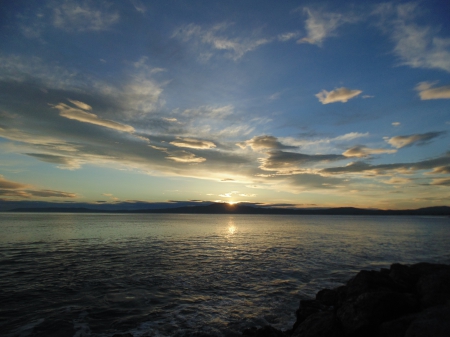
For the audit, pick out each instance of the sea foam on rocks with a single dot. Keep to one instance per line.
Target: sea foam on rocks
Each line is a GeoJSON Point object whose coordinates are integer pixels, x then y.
{"type": "Point", "coordinates": [402, 301]}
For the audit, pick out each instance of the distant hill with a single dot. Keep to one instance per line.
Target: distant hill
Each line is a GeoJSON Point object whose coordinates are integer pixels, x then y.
{"type": "Point", "coordinates": [223, 208]}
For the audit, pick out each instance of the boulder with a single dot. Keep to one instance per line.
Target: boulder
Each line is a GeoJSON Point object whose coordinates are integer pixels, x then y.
{"type": "Point", "coordinates": [321, 324]}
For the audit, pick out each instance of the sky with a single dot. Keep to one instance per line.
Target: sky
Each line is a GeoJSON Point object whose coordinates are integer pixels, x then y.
{"type": "Point", "coordinates": [166, 102]}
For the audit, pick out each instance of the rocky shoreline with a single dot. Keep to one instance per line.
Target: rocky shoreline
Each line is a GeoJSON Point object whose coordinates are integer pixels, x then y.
{"type": "Point", "coordinates": [402, 301]}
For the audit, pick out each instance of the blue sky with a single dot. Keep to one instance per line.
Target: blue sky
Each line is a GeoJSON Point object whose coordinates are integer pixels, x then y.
{"type": "Point", "coordinates": [295, 103]}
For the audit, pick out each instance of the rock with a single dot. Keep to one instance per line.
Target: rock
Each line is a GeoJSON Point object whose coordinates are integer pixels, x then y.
{"type": "Point", "coordinates": [266, 331]}
{"type": "Point", "coordinates": [306, 309]}
{"type": "Point", "coordinates": [371, 309]}
{"type": "Point", "coordinates": [396, 327]}
{"type": "Point", "coordinates": [431, 322]}
{"type": "Point", "coordinates": [434, 287]}
{"type": "Point", "coordinates": [327, 297]}
{"type": "Point", "coordinates": [322, 324]}
{"type": "Point", "coordinates": [402, 301]}
{"type": "Point", "coordinates": [122, 335]}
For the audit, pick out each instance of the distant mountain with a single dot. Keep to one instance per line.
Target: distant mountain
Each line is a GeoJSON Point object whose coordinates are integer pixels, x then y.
{"type": "Point", "coordinates": [223, 208]}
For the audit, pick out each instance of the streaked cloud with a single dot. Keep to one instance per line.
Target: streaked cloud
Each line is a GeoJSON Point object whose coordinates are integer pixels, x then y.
{"type": "Point", "coordinates": [321, 25]}
{"type": "Point", "coordinates": [337, 95]}
{"type": "Point", "coordinates": [83, 16]}
{"type": "Point", "coordinates": [426, 91]}
{"type": "Point", "coordinates": [264, 142]}
{"type": "Point", "coordinates": [416, 139]}
{"type": "Point", "coordinates": [418, 46]}
{"type": "Point", "coordinates": [87, 117]}
{"type": "Point", "coordinates": [184, 157]}
{"type": "Point", "coordinates": [441, 182]}
{"type": "Point", "coordinates": [282, 161]}
{"type": "Point", "coordinates": [64, 162]}
{"type": "Point", "coordinates": [216, 39]}
{"type": "Point", "coordinates": [363, 151]}
{"type": "Point", "coordinates": [404, 168]}
{"type": "Point", "coordinates": [396, 123]}
{"type": "Point", "coordinates": [397, 181]}
{"type": "Point", "coordinates": [12, 189]}
{"type": "Point", "coordinates": [193, 143]}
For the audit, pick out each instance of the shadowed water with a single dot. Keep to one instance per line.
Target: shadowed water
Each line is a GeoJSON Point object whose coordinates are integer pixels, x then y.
{"type": "Point", "coordinates": [174, 275]}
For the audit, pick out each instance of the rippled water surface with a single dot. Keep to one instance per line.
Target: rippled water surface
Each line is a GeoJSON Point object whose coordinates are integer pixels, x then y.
{"type": "Point", "coordinates": [178, 275]}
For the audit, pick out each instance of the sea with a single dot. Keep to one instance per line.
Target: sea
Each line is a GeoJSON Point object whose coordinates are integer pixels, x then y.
{"type": "Point", "coordinates": [78, 275]}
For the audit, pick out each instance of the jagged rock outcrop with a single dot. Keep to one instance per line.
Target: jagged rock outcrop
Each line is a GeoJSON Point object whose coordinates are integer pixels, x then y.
{"type": "Point", "coordinates": [403, 301]}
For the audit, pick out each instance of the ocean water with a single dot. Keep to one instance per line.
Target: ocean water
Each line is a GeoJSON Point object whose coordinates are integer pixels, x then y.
{"type": "Point", "coordinates": [182, 275]}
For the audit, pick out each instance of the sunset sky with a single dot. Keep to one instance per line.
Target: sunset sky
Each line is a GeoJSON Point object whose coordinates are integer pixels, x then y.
{"type": "Point", "coordinates": [288, 103]}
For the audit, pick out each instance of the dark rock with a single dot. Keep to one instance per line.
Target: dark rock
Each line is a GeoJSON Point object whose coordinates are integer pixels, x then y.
{"type": "Point", "coordinates": [306, 309]}
{"type": "Point", "coordinates": [403, 276]}
{"type": "Point", "coordinates": [322, 324]}
{"type": "Point", "coordinates": [122, 335]}
{"type": "Point", "coordinates": [327, 297]}
{"type": "Point", "coordinates": [369, 310]}
{"type": "Point", "coordinates": [266, 331]}
{"type": "Point", "coordinates": [371, 281]}
{"type": "Point", "coordinates": [434, 287]}
{"type": "Point", "coordinates": [433, 322]}
{"type": "Point", "coordinates": [396, 327]}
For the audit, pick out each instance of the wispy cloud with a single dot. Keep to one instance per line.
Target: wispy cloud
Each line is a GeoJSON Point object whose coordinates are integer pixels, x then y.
{"type": "Point", "coordinates": [216, 39]}
{"type": "Point", "coordinates": [426, 91]}
{"type": "Point", "coordinates": [416, 139]}
{"type": "Point", "coordinates": [363, 151]}
{"type": "Point", "coordinates": [285, 162]}
{"type": "Point", "coordinates": [418, 46]}
{"type": "Point", "coordinates": [65, 162]}
{"type": "Point", "coordinates": [337, 95]}
{"type": "Point", "coordinates": [87, 117]}
{"type": "Point", "coordinates": [404, 168]}
{"type": "Point", "coordinates": [193, 143]}
{"type": "Point", "coordinates": [264, 142]}
{"type": "Point", "coordinates": [16, 190]}
{"type": "Point", "coordinates": [321, 25]}
{"type": "Point", "coordinates": [184, 157]}
{"type": "Point", "coordinates": [77, 16]}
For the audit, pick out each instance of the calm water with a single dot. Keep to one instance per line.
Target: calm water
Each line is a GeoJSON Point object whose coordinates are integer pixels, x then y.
{"type": "Point", "coordinates": [178, 275]}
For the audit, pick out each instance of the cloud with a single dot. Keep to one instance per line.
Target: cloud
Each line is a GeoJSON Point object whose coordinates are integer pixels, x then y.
{"type": "Point", "coordinates": [288, 36]}
{"type": "Point", "coordinates": [11, 185]}
{"type": "Point", "coordinates": [80, 105]}
{"type": "Point", "coordinates": [139, 6]}
{"type": "Point", "coordinates": [426, 91]}
{"type": "Point", "coordinates": [396, 124]}
{"type": "Point", "coordinates": [337, 95]}
{"type": "Point", "coordinates": [263, 143]}
{"type": "Point", "coordinates": [397, 181]}
{"type": "Point", "coordinates": [416, 139]}
{"type": "Point", "coordinates": [193, 143]}
{"type": "Point", "coordinates": [362, 151]}
{"type": "Point", "coordinates": [283, 162]}
{"type": "Point", "coordinates": [441, 182]}
{"type": "Point", "coordinates": [87, 117]}
{"type": "Point", "coordinates": [80, 17]}
{"type": "Point", "coordinates": [19, 190]}
{"type": "Point", "coordinates": [417, 46]}
{"type": "Point", "coordinates": [65, 162]}
{"type": "Point", "coordinates": [404, 168]}
{"type": "Point", "coordinates": [218, 112]}
{"type": "Point", "coordinates": [214, 38]}
{"type": "Point", "coordinates": [441, 170]}
{"type": "Point", "coordinates": [184, 157]}
{"type": "Point", "coordinates": [321, 25]}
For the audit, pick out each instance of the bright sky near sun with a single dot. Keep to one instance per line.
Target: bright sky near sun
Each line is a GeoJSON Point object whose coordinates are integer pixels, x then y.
{"type": "Point", "coordinates": [295, 103]}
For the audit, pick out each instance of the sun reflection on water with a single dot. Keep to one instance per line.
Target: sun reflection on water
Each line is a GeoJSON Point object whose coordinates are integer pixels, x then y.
{"type": "Point", "coordinates": [231, 227]}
